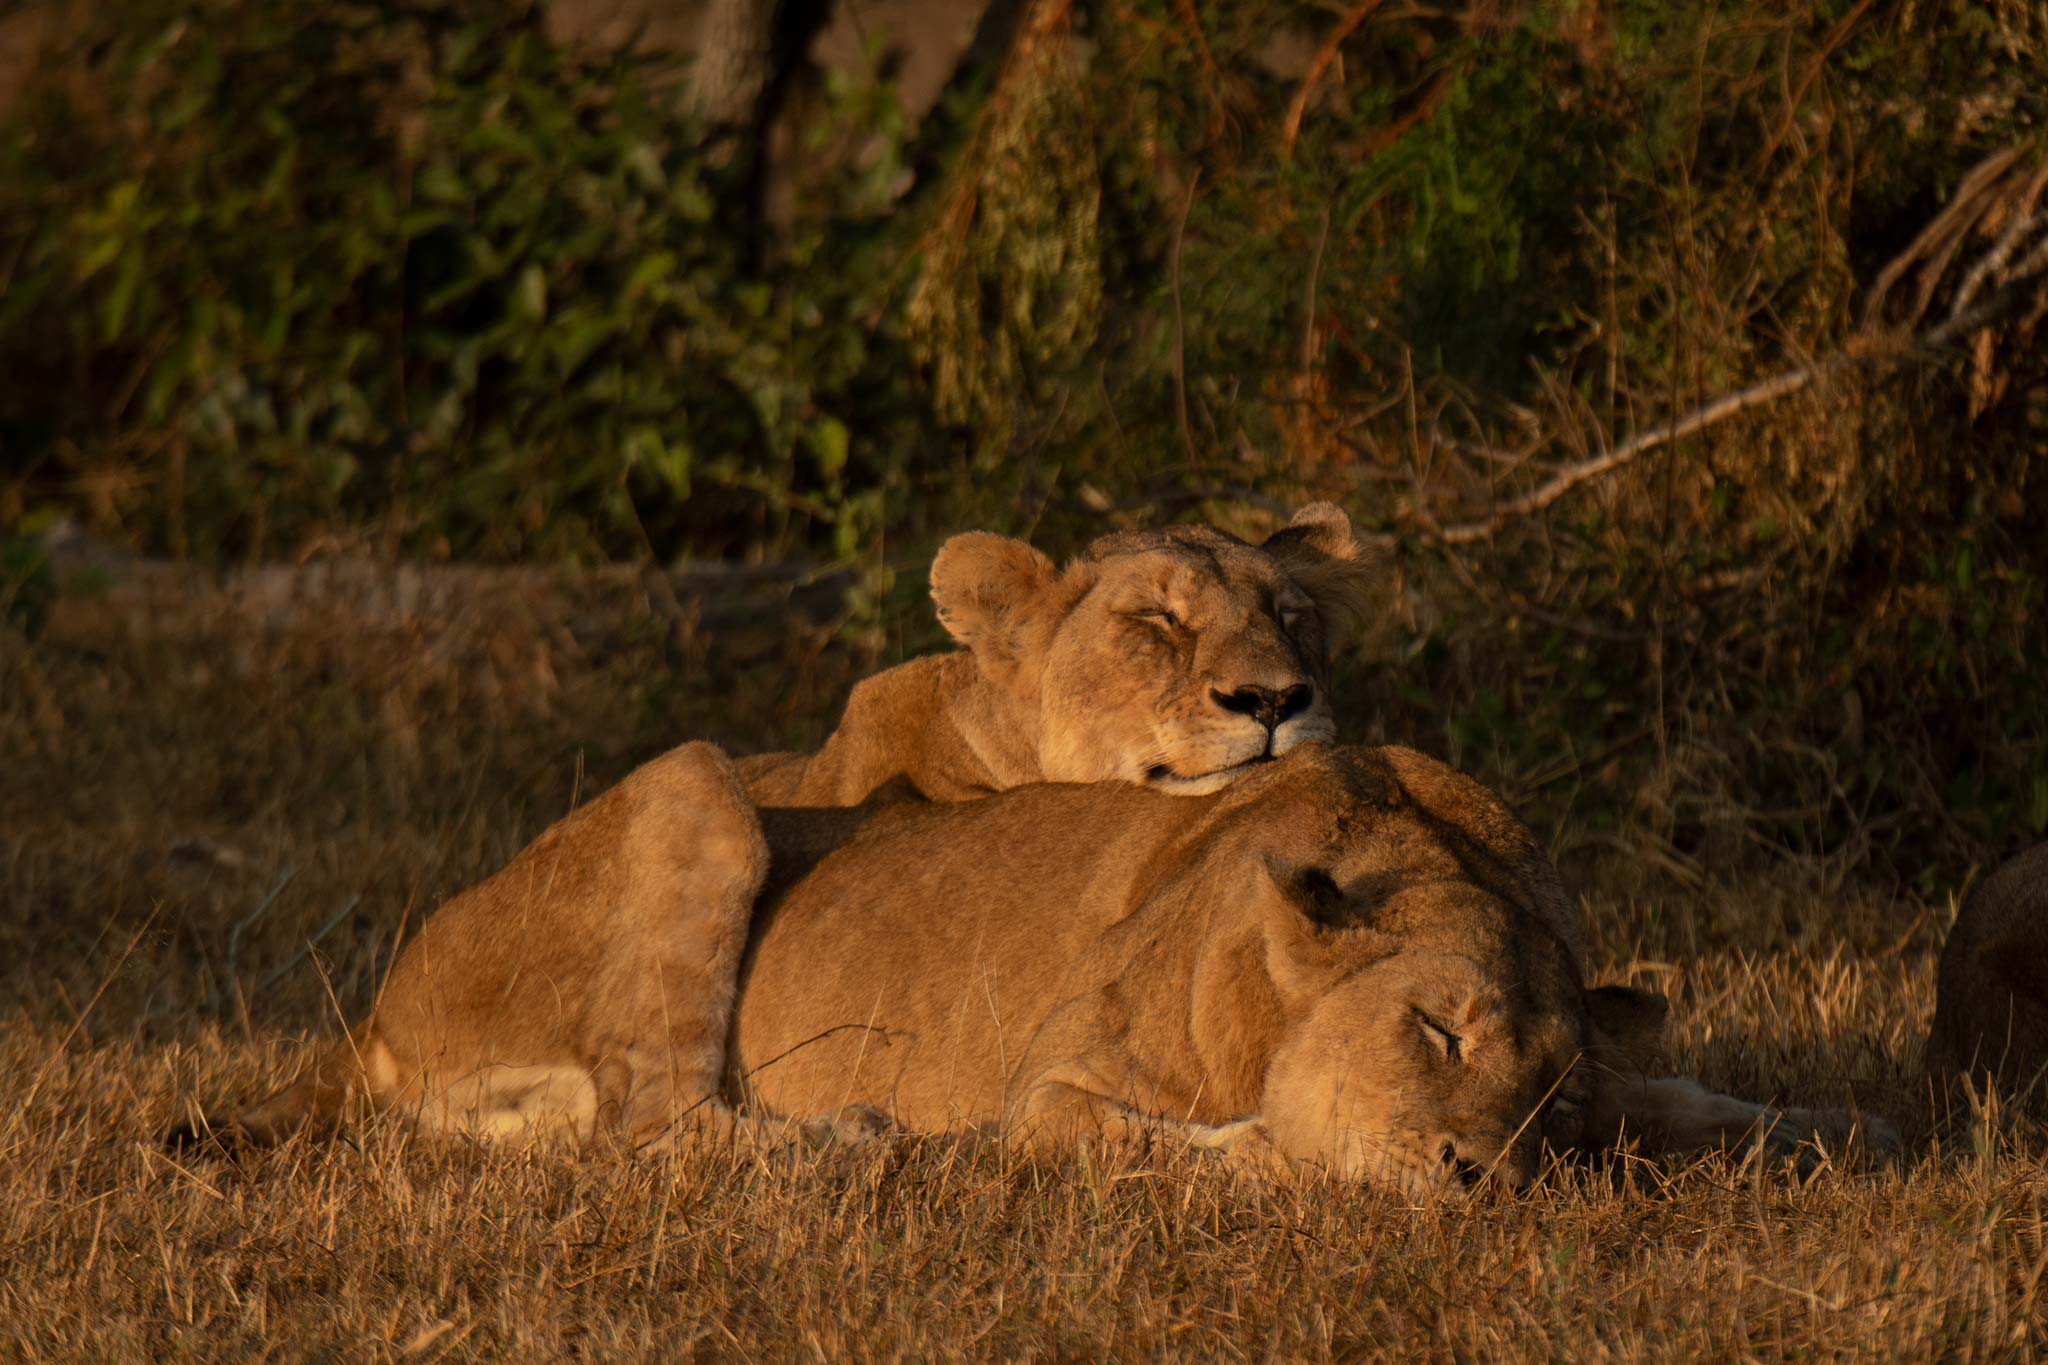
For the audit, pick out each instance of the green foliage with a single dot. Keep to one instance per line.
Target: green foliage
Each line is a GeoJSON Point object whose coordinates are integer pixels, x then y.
{"type": "Point", "coordinates": [408, 264]}
{"type": "Point", "coordinates": [1757, 639]}
{"type": "Point", "coordinates": [27, 586]}
{"type": "Point", "coordinates": [281, 271]}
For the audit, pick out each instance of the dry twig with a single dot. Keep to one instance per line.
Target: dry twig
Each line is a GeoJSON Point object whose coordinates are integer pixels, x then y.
{"type": "Point", "coordinates": [1985, 193]}
{"type": "Point", "coordinates": [1290, 128]}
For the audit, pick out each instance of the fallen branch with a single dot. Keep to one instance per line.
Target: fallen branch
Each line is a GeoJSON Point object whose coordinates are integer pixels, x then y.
{"type": "Point", "coordinates": [1290, 128]}
{"type": "Point", "coordinates": [1699, 419]}
{"type": "Point", "coordinates": [1869, 347]}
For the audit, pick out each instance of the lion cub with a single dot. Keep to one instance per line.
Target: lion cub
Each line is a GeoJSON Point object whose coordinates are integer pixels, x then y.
{"type": "Point", "coordinates": [1991, 996]}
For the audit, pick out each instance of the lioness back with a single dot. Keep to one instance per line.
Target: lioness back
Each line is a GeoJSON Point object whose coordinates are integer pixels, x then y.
{"type": "Point", "coordinates": [914, 967]}
{"type": "Point", "coordinates": [938, 936]}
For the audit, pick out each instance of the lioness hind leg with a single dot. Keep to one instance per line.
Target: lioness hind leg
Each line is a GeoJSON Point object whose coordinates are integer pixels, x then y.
{"type": "Point", "coordinates": [715, 1124]}
{"type": "Point", "coordinates": [1057, 1113]}
{"type": "Point", "coordinates": [1678, 1114]}
{"type": "Point", "coordinates": [692, 859]}
{"type": "Point", "coordinates": [608, 949]}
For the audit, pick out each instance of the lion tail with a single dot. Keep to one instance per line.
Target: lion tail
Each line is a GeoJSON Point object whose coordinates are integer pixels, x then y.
{"type": "Point", "coordinates": [316, 1102]}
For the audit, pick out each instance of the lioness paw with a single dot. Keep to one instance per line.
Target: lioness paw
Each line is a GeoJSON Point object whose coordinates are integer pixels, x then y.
{"type": "Point", "coordinates": [1245, 1144]}
{"type": "Point", "coordinates": [1806, 1135]}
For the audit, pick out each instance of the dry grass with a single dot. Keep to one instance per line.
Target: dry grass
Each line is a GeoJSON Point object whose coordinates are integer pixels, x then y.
{"type": "Point", "coordinates": [189, 792]}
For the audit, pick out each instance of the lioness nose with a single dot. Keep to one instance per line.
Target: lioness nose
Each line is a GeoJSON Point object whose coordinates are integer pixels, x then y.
{"type": "Point", "coordinates": [1269, 706]}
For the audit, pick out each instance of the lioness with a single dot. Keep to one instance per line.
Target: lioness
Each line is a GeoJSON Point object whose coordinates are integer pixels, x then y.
{"type": "Point", "coordinates": [1181, 659]}
{"type": "Point", "coordinates": [1358, 958]}
{"type": "Point", "coordinates": [1353, 956]}
{"type": "Point", "coordinates": [1991, 996]}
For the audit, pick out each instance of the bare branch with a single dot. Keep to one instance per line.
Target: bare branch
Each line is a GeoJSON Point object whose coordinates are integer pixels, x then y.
{"type": "Point", "coordinates": [1290, 127]}
{"type": "Point", "coordinates": [1720, 410]}
{"type": "Point", "coordinates": [1868, 347]}
{"type": "Point", "coordinates": [1946, 229]}
{"type": "Point", "coordinates": [2024, 221]}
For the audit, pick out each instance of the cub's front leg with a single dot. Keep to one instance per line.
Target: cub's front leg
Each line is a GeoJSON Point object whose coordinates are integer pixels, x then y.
{"type": "Point", "coordinates": [1081, 1081]}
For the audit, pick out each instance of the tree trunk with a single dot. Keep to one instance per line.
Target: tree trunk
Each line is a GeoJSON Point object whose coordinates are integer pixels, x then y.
{"type": "Point", "coordinates": [735, 60]}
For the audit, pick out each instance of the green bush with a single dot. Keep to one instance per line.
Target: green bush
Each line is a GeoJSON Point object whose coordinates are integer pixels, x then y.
{"type": "Point", "coordinates": [406, 265]}
{"type": "Point", "coordinates": [278, 272]}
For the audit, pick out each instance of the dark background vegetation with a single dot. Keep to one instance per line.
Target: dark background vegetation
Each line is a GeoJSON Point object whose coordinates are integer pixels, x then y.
{"type": "Point", "coordinates": [466, 279]}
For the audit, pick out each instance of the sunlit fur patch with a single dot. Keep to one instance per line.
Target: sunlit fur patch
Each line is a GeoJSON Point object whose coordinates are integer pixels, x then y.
{"type": "Point", "coordinates": [1221, 756]}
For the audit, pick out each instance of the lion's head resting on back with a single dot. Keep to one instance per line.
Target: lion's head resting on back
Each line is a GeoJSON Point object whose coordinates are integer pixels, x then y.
{"type": "Point", "coordinates": [1181, 658]}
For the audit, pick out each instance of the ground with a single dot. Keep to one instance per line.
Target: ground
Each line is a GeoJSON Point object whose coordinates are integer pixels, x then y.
{"type": "Point", "coordinates": [198, 780]}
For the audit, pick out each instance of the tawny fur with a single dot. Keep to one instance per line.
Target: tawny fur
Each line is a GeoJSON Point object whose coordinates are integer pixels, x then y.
{"type": "Point", "coordinates": [1991, 996]}
{"type": "Point", "coordinates": [1356, 958]}
{"type": "Point", "coordinates": [1109, 669]}
{"type": "Point", "coordinates": [1132, 663]}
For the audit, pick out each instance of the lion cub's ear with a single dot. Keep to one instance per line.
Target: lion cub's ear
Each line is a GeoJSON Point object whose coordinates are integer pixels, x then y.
{"type": "Point", "coordinates": [984, 587]}
{"type": "Point", "coordinates": [1321, 552]}
{"type": "Point", "coordinates": [1628, 1028]}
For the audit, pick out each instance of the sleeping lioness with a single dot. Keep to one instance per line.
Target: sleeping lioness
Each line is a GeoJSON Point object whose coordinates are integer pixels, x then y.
{"type": "Point", "coordinates": [1353, 957]}
{"type": "Point", "coordinates": [1180, 659]}
{"type": "Point", "coordinates": [1357, 958]}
